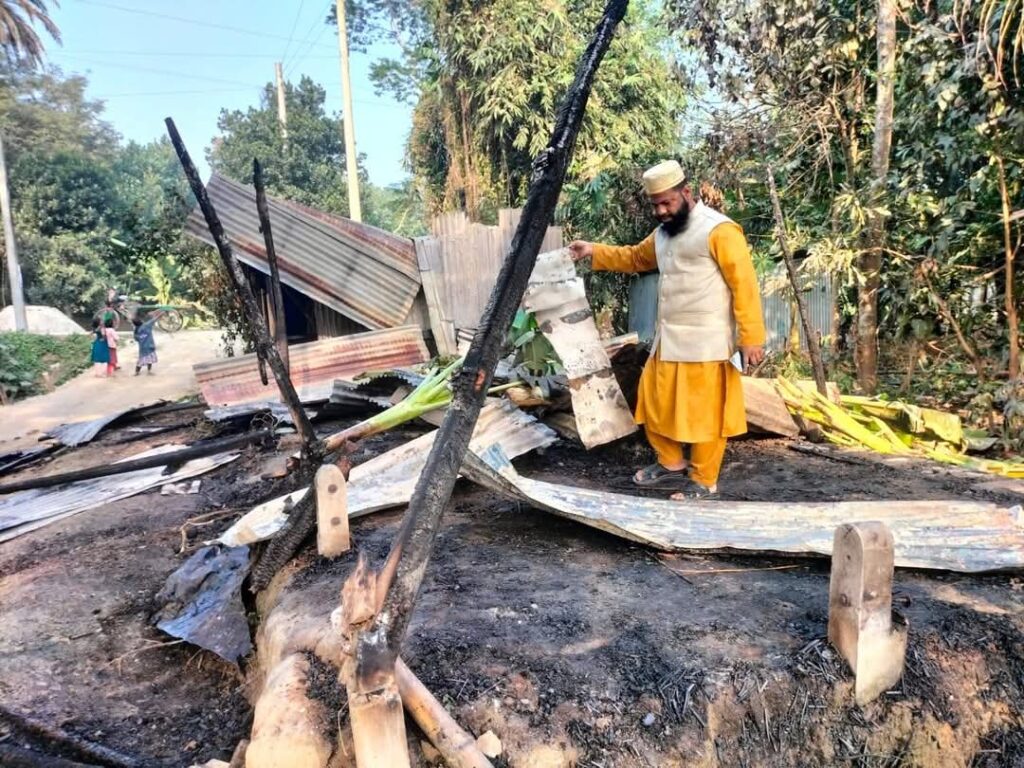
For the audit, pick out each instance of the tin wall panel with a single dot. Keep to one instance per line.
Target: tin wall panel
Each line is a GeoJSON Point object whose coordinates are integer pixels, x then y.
{"type": "Point", "coordinates": [313, 366]}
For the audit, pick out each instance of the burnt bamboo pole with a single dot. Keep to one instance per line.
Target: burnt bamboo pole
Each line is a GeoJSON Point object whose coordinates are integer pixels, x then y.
{"type": "Point", "coordinates": [197, 451]}
{"type": "Point", "coordinates": [312, 449]}
{"type": "Point", "coordinates": [377, 648]}
{"type": "Point", "coordinates": [280, 330]}
{"type": "Point", "coordinates": [456, 746]}
{"type": "Point", "coordinates": [813, 348]}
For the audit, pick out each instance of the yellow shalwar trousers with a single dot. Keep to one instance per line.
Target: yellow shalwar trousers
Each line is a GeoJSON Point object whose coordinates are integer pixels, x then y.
{"type": "Point", "coordinates": [700, 404]}
{"type": "Point", "coordinates": [697, 404]}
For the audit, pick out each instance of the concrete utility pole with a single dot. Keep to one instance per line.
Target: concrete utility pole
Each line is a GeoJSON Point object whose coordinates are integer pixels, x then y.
{"type": "Point", "coordinates": [355, 209]}
{"type": "Point", "coordinates": [13, 270]}
{"type": "Point", "coordinates": [282, 107]}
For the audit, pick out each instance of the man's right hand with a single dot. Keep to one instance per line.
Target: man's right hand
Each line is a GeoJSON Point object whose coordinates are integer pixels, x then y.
{"type": "Point", "coordinates": [580, 250]}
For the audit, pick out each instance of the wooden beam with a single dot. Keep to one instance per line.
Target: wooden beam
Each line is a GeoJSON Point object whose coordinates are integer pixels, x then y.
{"type": "Point", "coordinates": [813, 348]}
{"type": "Point", "coordinates": [279, 328]}
{"type": "Point", "coordinates": [457, 747]}
{"type": "Point", "coordinates": [415, 541]}
{"type": "Point", "coordinates": [287, 725]}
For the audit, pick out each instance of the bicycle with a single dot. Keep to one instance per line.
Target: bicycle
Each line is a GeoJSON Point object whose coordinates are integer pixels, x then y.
{"type": "Point", "coordinates": [124, 309]}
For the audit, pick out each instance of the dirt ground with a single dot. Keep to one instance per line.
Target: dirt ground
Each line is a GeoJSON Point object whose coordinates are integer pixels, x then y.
{"type": "Point", "coordinates": [87, 397]}
{"type": "Point", "coordinates": [575, 647]}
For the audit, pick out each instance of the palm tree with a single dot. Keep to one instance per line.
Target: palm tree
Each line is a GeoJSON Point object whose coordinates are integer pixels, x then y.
{"type": "Point", "coordinates": [18, 39]}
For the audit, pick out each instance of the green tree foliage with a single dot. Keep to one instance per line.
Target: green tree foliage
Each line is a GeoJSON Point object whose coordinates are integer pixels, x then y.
{"type": "Point", "coordinates": [308, 167]}
{"type": "Point", "coordinates": [43, 108]}
{"type": "Point", "coordinates": [89, 212]}
{"type": "Point", "coordinates": [18, 37]}
{"type": "Point", "coordinates": [59, 154]}
{"type": "Point", "coordinates": [151, 202]}
{"type": "Point", "coordinates": [794, 85]}
{"type": "Point", "coordinates": [487, 78]}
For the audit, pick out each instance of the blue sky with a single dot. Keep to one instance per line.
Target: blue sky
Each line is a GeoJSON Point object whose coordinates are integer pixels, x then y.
{"type": "Point", "coordinates": [188, 59]}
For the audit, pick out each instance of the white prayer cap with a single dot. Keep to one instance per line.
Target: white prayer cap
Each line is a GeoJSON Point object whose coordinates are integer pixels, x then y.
{"type": "Point", "coordinates": [663, 176]}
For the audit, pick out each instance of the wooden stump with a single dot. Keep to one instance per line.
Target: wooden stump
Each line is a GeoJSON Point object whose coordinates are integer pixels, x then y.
{"type": "Point", "coordinates": [332, 537]}
{"type": "Point", "coordinates": [861, 623]}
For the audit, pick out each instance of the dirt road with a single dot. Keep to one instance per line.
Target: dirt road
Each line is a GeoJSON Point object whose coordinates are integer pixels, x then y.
{"type": "Point", "coordinates": [87, 397]}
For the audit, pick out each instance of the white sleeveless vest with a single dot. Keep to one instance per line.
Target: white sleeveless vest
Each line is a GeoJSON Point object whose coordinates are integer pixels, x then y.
{"type": "Point", "coordinates": [695, 318]}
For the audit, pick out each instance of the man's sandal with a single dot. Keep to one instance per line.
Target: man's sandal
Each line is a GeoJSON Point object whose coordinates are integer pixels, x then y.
{"type": "Point", "coordinates": [694, 491]}
{"type": "Point", "coordinates": [655, 474]}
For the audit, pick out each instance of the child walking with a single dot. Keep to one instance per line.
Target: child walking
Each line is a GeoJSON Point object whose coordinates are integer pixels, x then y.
{"type": "Point", "coordinates": [111, 338]}
{"type": "Point", "coordinates": [100, 352]}
{"type": "Point", "coordinates": [147, 344]}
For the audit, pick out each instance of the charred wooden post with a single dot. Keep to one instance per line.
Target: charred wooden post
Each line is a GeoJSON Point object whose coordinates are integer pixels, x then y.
{"type": "Point", "coordinates": [374, 703]}
{"type": "Point", "coordinates": [278, 328]}
{"type": "Point", "coordinates": [813, 349]}
{"type": "Point", "coordinates": [377, 646]}
{"type": "Point", "coordinates": [312, 449]}
{"type": "Point", "coordinates": [861, 622]}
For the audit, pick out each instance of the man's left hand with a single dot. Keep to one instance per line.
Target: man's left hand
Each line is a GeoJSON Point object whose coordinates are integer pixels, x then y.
{"type": "Point", "coordinates": [752, 356]}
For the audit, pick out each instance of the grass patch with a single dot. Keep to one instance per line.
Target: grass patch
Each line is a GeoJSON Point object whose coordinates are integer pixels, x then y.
{"type": "Point", "coordinates": [26, 357]}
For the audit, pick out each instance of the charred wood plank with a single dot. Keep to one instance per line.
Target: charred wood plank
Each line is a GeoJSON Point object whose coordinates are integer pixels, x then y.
{"type": "Point", "coordinates": [50, 736]}
{"type": "Point", "coordinates": [377, 648]}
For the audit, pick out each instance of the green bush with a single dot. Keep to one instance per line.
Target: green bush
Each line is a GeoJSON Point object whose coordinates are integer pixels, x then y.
{"type": "Point", "coordinates": [25, 357]}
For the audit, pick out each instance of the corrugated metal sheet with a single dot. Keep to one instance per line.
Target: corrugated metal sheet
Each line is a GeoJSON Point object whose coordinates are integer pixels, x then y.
{"type": "Point", "coordinates": [778, 308]}
{"type": "Point", "coordinates": [643, 305]}
{"type": "Point", "coordinates": [277, 410]}
{"type": "Point", "coordinates": [388, 480]}
{"type": "Point", "coordinates": [955, 535]}
{"type": "Point", "coordinates": [12, 460]}
{"type": "Point", "coordinates": [378, 390]}
{"type": "Point", "coordinates": [776, 298]}
{"type": "Point", "coordinates": [79, 432]}
{"type": "Point", "coordinates": [314, 366]}
{"type": "Point", "coordinates": [362, 272]}
{"type": "Point", "coordinates": [463, 259]}
{"type": "Point", "coordinates": [26, 511]}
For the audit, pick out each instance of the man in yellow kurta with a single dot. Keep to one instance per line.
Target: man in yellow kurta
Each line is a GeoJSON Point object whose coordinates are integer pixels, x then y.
{"type": "Point", "coordinates": [709, 306]}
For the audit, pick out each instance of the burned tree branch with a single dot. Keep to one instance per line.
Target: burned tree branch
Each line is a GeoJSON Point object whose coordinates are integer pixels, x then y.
{"type": "Point", "coordinates": [805, 319]}
{"type": "Point", "coordinates": [279, 329]}
{"type": "Point", "coordinates": [51, 736]}
{"type": "Point", "coordinates": [312, 449]}
{"type": "Point", "coordinates": [377, 648]}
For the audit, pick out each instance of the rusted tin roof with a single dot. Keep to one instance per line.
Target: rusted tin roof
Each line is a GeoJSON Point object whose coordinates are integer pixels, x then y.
{"type": "Point", "coordinates": [364, 273]}
{"type": "Point", "coordinates": [314, 366]}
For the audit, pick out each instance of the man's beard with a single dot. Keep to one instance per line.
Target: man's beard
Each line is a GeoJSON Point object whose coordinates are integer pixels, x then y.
{"type": "Point", "coordinates": [678, 222]}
